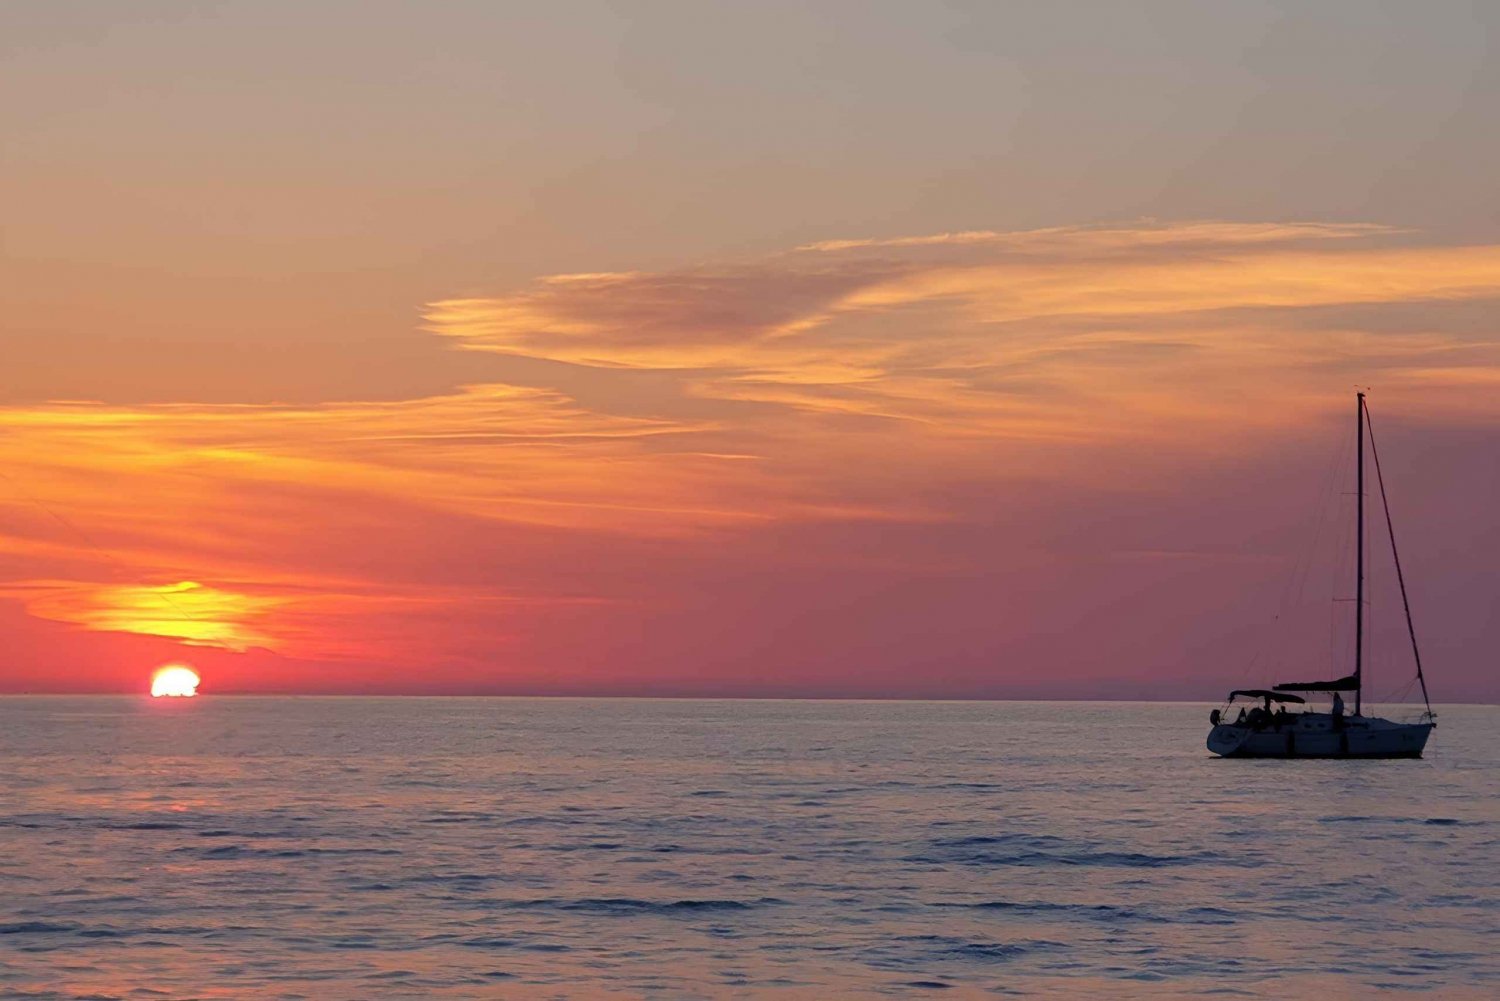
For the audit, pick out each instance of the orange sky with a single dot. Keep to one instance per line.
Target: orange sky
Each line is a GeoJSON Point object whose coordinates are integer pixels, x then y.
{"type": "Point", "coordinates": [293, 418]}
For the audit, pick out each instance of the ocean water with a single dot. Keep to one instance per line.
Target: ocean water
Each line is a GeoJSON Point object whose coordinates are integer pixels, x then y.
{"type": "Point", "coordinates": [516, 848]}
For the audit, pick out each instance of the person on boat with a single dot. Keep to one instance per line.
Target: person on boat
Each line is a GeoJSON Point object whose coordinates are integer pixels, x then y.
{"type": "Point", "coordinates": [1338, 711]}
{"type": "Point", "coordinates": [1240, 719]}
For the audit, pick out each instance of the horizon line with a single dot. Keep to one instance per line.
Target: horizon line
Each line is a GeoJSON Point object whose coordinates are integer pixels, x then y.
{"type": "Point", "coordinates": [649, 698]}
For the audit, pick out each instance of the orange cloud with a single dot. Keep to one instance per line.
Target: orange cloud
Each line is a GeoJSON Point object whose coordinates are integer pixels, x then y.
{"type": "Point", "coordinates": [187, 611]}
{"type": "Point", "coordinates": [886, 391]}
{"type": "Point", "coordinates": [1044, 333]}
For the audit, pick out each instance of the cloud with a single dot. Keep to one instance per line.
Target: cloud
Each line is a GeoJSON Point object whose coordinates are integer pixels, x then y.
{"type": "Point", "coordinates": [678, 458]}
{"type": "Point", "coordinates": [995, 333]}
{"type": "Point", "coordinates": [687, 319]}
{"type": "Point", "coordinates": [306, 529]}
{"type": "Point", "coordinates": [1143, 234]}
{"type": "Point", "coordinates": [188, 611]}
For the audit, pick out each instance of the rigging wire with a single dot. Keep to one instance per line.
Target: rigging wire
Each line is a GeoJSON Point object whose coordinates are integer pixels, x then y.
{"type": "Point", "coordinates": [1294, 587]}
{"type": "Point", "coordinates": [1396, 558]}
{"type": "Point", "coordinates": [1342, 562]}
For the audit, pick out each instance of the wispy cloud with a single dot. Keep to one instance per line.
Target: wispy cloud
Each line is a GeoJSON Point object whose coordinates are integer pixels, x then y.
{"type": "Point", "coordinates": [1139, 235]}
{"type": "Point", "coordinates": [282, 516]}
{"type": "Point", "coordinates": [667, 435]}
{"type": "Point", "coordinates": [1002, 333]}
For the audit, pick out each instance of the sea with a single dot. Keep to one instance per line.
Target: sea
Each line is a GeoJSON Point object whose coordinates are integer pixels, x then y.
{"type": "Point", "coordinates": [374, 848]}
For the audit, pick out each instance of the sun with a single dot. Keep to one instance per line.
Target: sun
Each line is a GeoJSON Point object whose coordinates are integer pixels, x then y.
{"type": "Point", "coordinates": [174, 681]}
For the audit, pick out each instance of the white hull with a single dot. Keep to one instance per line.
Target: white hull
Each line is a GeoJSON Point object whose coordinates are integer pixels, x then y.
{"type": "Point", "coordinates": [1318, 735]}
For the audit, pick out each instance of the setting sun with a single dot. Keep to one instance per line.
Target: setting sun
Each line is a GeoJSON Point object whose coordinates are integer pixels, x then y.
{"type": "Point", "coordinates": [174, 681]}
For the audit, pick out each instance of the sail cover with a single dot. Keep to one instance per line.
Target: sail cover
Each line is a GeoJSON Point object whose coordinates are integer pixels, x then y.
{"type": "Point", "coordinates": [1347, 684]}
{"type": "Point", "coordinates": [1260, 693]}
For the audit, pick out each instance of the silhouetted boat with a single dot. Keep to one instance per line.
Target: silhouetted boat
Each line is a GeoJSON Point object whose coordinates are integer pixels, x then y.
{"type": "Point", "coordinates": [1262, 733]}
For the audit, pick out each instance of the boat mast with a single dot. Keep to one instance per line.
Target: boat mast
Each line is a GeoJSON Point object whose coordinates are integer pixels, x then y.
{"type": "Point", "coordinates": [1359, 559]}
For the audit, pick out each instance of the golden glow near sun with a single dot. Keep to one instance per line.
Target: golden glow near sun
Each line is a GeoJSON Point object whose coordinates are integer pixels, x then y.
{"type": "Point", "coordinates": [174, 681]}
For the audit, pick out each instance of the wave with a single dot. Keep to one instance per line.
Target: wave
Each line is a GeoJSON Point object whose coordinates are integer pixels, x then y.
{"type": "Point", "coordinates": [634, 906]}
{"type": "Point", "coordinates": [1105, 912]}
{"type": "Point", "coordinates": [1051, 850]}
{"type": "Point", "coordinates": [1126, 860]}
{"type": "Point", "coordinates": [905, 950]}
{"type": "Point", "coordinates": [38, 928]}
{"type": "Point", "coordinates": [1435, 821]}
{"type": "Point", "coordinates": [230, 852]}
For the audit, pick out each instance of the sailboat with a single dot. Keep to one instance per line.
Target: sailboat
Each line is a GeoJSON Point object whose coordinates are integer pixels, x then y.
{"type": "Point", "coordinates": [1283, 733]}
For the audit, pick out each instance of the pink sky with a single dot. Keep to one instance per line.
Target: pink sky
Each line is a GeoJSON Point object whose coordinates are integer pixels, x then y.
{"type": "Point", "coordinates": [392, 404]}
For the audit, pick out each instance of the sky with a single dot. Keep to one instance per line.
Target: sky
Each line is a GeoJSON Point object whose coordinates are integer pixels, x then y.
{"type": "Point", "coordinates": [930, 350]}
